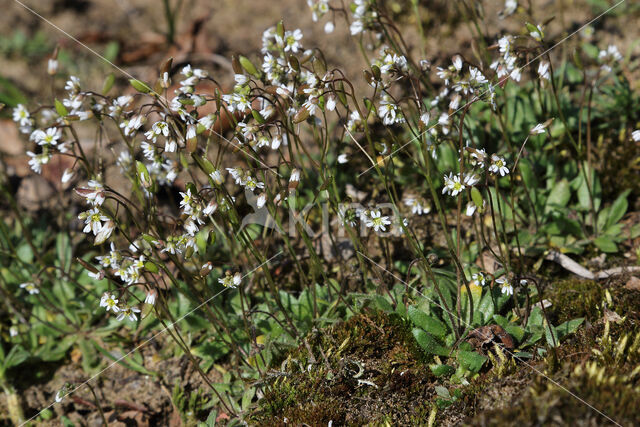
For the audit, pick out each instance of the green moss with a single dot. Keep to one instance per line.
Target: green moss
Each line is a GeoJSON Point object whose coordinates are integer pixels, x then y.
{"type": "Point", "coordinates": [575, 298]}
{"type": "Point", "coordinates": [365, 370]}
{"type": "Point", "coordinates": [599, 364]}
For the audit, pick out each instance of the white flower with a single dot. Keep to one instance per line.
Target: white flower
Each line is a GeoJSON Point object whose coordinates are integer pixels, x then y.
{"type": "Point", "coordinates": [543, 70]}
{"type": "Point", "coordinates": [132, 125]}
{"type": "Point", "coordinates": [30, 287]}
{"type": "Point", "coordinates": [424, 119]}
{"type": "Point", "coordinates": [505, 286]}
{"type": "Point", "coordinates": [211, 207]}
{"type": "Point", "coordinates": [261, 200]}
{"type": "Point", "coordinates": [342, 158]}
{"type": "Point", "coordinates": [457, 62]}
{"type": "Point", "coordinates": [93, 220]}
{"type": "Point", "coordinates": [72, 85]}
{"type": "Point", "coordinates": [37, 160]}
{"type": "Point", "coordinates": [67, 175]}
{"type": "Point", "coordinates": [478, 279]}
{"type": "Point", "coordinates": [129, 312]}
{"type": "Point", "coordinates": [170, 146]}
{"type": "Point", "coordinates": [187, 201]}
{"type": "Point", "coordinates": [104, 233]}
{"type": "Point", "coordinates": [230, 281]}
{"type": "Point", "coordinates": [452, 185]}
{"type": "Point", "coordinates": [498, 165]}
{"type": "Point", "coordinates": [251, 183]}
{"type": "Point", "coordinates": [21, 115]}
{"type": "Point", "coordinates": [109, 302]}
{"type": "Point", "coordinates": [48, 137]}
{"type": "Point", "coordinates": [329, 27]}
{"type": "Point", "coordinates": [318, 8]}
{"type": "Point", "coordinates": [150, 298]}
{"type": "Point", "coordinates": [636, 135]}
{"type": "Point", "coordinates": [291, 41]}
{"type": "Point", "coordinates": [216, 176]}
{"type": "Point", "coordinates": [389, 112]}
{"type": "Point", "coordinates": [470, 209]}
{"type": "Point", "coordinates": [510, 7]}
{"type": "Point", "coordinates": [537, 33]}
{"type": "Point", "coordinates": [158, 128]}
{"type": "Point", "coordinates": [356, 27]}
{"type": "Point", "coordinates": [208, 121]}
{"type": "Point", "coordinates": [416, 206]}
{"type": "Point", "coordinates": [52, 66]}
{"type": "Point", "coordinates": [537, 129]}
{"type": "Point", "coordinates": [471, 179]}
{"type": "Point", "coordinates": [378, 222]}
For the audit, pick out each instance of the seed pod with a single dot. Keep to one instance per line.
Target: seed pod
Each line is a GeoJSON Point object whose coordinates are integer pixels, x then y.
{"type": "Point", "coordinates": [140, 86]}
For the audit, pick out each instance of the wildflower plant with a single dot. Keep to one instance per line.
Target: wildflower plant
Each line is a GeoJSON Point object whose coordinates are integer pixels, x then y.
{"type": "Point", "coordinates": [340, 178]}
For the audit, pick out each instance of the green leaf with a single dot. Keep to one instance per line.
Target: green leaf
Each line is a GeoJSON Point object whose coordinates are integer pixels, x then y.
{"type": "Point", "coordinates": [382, 303]}
{"type": "Point", "coordinates": [16, 356]}
{"type": "Point", "coordinates": [140, 86]}
{"type": "Point", "coordinates": [569, 327]}
{"type": "Point", "coordinates": [63, 251]}
{"type": "Point", "coordinates": [421, 319]}
{"type": "Point", "coordinates": [61, 109]}
{"type": "Point", "coordinates": [471, 361]}
{"type": "Point", "coordinates": [108, 83]}
{"type": "Point", "coordinates": [429, 343]}
{"type": "Point", "coordinates": [248, 66]}
{"type": "Point", "coordinates": [127, 361]}
{"type": "Point", "coordinates": [559, 196]}
{"type": "Point", "coordinates": [476, 197]}
{"type": "Point", "coordinates": [605, 244]}
{"type": "Point", "coordinates": [442, 370]}
{"type": "Point", "coordinates": [550, 335]}
{"type": "Point", "coordinates": [443, 392]}
{"type": "Point", "coordinates": [617, 210]}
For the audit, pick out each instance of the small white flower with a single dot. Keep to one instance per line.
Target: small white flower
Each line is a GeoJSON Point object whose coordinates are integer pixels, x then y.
{"type": "Point", "coordinates": [452, 185]}
{"type": "Point", "coordinates": [261, 200]}
{"type": "Point", "coordinates": [389, 112]}
{"type": "Point", "coordinates": [211, 207]}
{"type": "Point", "coordinates": [52, 66]}
{"type": "Point", "coordinates": [376, 221]}
{"type": "Point", "coordinates": [93, 220]}
{"type": "Point", "coordinates": [416, 206]}
{"type": "Point", "coordinates": [150, 298]}
{"type": "Point", "coordinates": [537, 129]}
{"type": "Point", "coordinates": [636, 135]}
{"type": "Point", "coordinates": [505, 286]}
{"type": "Point", "coordinates": [104, 233]}
{"type": "Point", "coordinates": [129, 312]}
{"type": "Point", "coordinates": [230, 281]}
{"type": "Point", "coordinates": [543, 70]}
{"type": "Point", "coordinates": [478, 279]}
{"type": "Point", "coordinates": [470, 209]}
{"type": "Point", "coordinates": [342, 158]}
{"type": "Point", "coordinates": [67, 175]}
{"type": "Point", "coordinates": [37, 160]}
{"type": "Point", "coordinates": [216, 176]}
{"type": "Point", "coordinates": [21, 115]}
{"type": "Point", "coordinates": [510, 7]}
{"type": "Point", "coordinates": [109, 302]}
{"type": "Point", "coordinates": [30, 287]}
{"type": "Point", "coordinates": [72, 85]}
{"type": "Point", "coordinates": [498, 165]}
{"type": "Point", "coordinates": [329, 27]}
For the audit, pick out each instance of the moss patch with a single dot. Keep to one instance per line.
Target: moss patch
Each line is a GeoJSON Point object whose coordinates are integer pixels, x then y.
{"type": "Point", "coordinates": [600, 364]}
{"type": "Point", "coordinates": [365, 370]}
